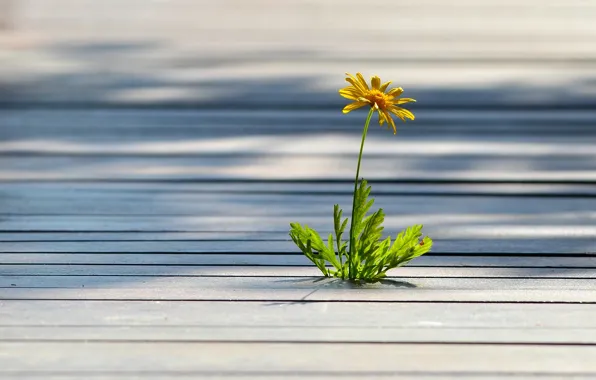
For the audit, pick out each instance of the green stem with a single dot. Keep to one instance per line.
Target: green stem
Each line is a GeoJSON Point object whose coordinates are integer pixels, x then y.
{"type": "Point", "coordinates": [351, 267]}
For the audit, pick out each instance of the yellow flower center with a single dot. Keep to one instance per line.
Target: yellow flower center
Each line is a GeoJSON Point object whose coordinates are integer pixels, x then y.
{"type": "Point", "coordinates": [377, 97]}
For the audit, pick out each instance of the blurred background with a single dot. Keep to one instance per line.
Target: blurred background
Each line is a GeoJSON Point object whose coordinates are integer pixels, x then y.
{"type": "Point", "coordinates": [246, 90]}
{"type": "Point", "coordinates": [506, 89]}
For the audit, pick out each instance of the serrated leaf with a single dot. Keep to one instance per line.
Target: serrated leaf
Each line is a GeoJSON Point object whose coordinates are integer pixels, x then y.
{"type": "Point", "coordinates": [369, 257]}
{"type": "Point", "coordinates": [361, 207]}
{"type": "Point", "coordinates": [303, 239]}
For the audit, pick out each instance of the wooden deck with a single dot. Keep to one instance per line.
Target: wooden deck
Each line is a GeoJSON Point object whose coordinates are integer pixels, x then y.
{"type": "Point", "coordinates": [132, 250]}
{"type": "Point", "coordinates": [149, 172]}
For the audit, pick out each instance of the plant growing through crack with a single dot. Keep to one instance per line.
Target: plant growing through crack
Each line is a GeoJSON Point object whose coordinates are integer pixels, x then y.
{"type": "Point", "coordinates": [365, 256]}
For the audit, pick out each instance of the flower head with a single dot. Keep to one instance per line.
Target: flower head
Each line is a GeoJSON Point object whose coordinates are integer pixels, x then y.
{"type": "Point", "coordinates": [386, 103]}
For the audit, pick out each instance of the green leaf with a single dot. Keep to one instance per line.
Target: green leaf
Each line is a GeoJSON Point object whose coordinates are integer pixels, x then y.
{"type": "Point", "coordinates": [361, 206]}
{"type": "Point", "coordinates": [370, 256]}
{"type": "Point", "coordinates": [330, 246]}
{"type": "Point", "coordinates": [302, 238]}
{"type": "Point", "coordinates": [310, 243]}
{"type": "Point", "coordinates": [339, 228]}
{"type": "Point", "coordinates": [373, 229]}
{"type": "Point", "coordinates": [407, 246]}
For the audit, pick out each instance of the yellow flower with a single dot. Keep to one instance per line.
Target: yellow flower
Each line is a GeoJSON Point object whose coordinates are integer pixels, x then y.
{"type": "Point", "coordinates": [386, 103]}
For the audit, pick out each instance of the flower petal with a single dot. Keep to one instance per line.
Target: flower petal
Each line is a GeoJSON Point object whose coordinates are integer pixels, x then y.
{"type": "Point", "coordinates": [395, 91]}
{"type": "Point", "coordinates": [362, 81]}
{"type": "Point", "coordinates": [381, 118]}
{"type": "Point", "coordinates": [354, 82]}
{"type": "Point", "coordinates": [402, 113]}
{"type": "Point", "coordinates": [407, 114]}
{"type": "Point", "coordinates": [404, 100]}
{"type": "Point", "coordinates": [375, 82]}
{"type": "Point", "coordinates": [353, 106]}
{"type": "Point", "coordinates": [349, 93]}
{"type": "Point", "coordinates": [391, 122]}
{"type": "Point", "coordinates": [384, 86]}
{"type": "Point", "coordinates": [395, 111]}
{"type": "Point", "coordinates": [350, 88]}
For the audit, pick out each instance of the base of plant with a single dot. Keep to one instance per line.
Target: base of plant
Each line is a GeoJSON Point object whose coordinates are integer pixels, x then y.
{"type": "Point", "coordinates": [365, 257]}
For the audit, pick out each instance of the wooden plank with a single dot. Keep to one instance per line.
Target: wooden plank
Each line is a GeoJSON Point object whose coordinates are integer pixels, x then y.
{"type": "Point", "coordinates": [516, 237]}
{"type": "Point", "coordinates": [299, 360]}
{"type": "Point", "coordinates": [311, 81]}
{"type": "Point", "coordinates": [517, 232]}
{"type": "Point", "coordinates": [300, 52]}
{"type": "Point", "coordinates": [17, 262]}
{"type": "Point", "coordinates": [264, 223]}
{"type": "Point", "coordinates": [454, 147]}
{"type": "Point", "coordinates": [258, 376]}
{"type": "Point", "coordinates": [296, 57]}
{"type": "Point", "coordinates": [105, 190]}
{"type": "Point", "coordinates": [111, 168]}
{"type": "Point", "coordinates": [409, 316]}
{"type": "Point", "coordinates": [301, 289]}
{"type": "Point", "coordinates": [103, 127]}
{"type": "Point", "coordinates": [376, 334]}
{"type": "Point", "coordinates": [79, 250]}
{"type": "Point", "coordinates": [204, 283]}
{"type": "Point", "coordinates": [292, 83]}
{"type": "Point", "coordinates": [130, 204]}
{"type": "Point", "coordinates": [289, 271]}
{"type": "Point", "coordinates": [40, 195]}
{"type": "Point", "coordinates": [288, 133]}
{"type": "Point", "coordinates": [118, 293]}
{"type": "Point", "coordinates": [319, 315]}
{"type": "Point", "coordinates": [268, 155]}
{"type": "Point", "coordinates": [138, 236]}
{"type": "Point", "coordinates": [476, 26]}
{"type": "Point", "coordinates": [176, 22]}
